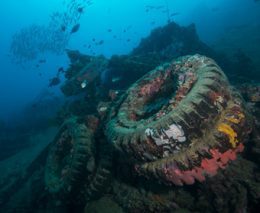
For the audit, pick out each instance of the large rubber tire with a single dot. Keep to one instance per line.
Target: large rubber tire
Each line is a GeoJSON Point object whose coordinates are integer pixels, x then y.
{"type": "Point", "coordinates": [66, 163]}
{"type": "Point", "coordinates": [176, 116]}
{"type": "Point", "coordinates": [86, 159]}
{"type": "Point", "coordinates": [100, 180]}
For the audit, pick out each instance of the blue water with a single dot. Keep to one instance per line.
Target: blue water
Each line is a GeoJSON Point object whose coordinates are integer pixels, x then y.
{"type": "Point", "coordinates": [20, 84]}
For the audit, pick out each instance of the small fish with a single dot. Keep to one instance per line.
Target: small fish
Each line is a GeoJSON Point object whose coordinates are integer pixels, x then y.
{"type": "Point", "coordinates": [42, 61]}
{"type": "Point", "coordinates": [115, 36]}
{"type": "Point", "coordinates": [174, 14]}
{"type": "Point", "coordinates": [80, 9]}
{"type": "Point", "coordinates": [63, 28]}
{"type": "Point", "coordinates": [54, 81]}
{"type": "Point", "coordinates": [159, 7]}
{"type": "Point", "coordinates": [153, 22]}
{"type": "Point", "coordinates": [84, 84]}
{"type": "Point", "coordinates": [75, 28]}
{"type": "Point", "coordinates": [100, 42]}
{"type": "Point", "coordinates": [93, 39]}
{"type": "Point", "coordinates": [116, 79]}
{"type": "Point", "coordinates": [61, 70]}
{"type": "Point", "coordinates": [109, 30]}
{"type": "Point", "coordinates": [128, 40]}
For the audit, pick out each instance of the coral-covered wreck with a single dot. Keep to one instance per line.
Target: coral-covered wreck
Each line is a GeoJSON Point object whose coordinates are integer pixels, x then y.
{"type": "Point", "coordinates": [180, 138]}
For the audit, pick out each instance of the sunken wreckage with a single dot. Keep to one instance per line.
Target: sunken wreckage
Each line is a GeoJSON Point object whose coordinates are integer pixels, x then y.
{"type": "Point", "coordinates": [171, 139]}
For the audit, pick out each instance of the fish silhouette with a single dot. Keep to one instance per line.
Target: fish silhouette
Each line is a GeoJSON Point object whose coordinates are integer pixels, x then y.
{"type": "Point", "coordinates": [75, 28]}
{"type": "Point", "coordinates": [54, 81]}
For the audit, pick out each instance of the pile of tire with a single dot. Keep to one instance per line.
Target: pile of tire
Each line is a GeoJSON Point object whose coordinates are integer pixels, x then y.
{"type": "Point", "coordinates": [74, 171]}
{"type": "Point", "coordinates": [180, 122]}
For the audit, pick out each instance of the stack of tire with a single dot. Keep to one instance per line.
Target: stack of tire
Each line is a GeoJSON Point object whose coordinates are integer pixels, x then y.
{"type": "Point", "coordinates": [74, 171]}
{"type": "Point", "coordinates": [180, 122]}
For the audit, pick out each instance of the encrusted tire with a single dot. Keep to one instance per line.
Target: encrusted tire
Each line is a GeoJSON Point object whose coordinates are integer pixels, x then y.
{"type": "Point", "coordinates": [66, 163]}
{"type": "Point", "coordinates": [181, 121]}
{"type": "Point", "coordinates": [100, 179]}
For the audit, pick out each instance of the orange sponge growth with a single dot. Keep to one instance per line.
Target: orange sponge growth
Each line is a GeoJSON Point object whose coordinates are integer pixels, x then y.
{"type": "Point", "coordinates": [207, 167]}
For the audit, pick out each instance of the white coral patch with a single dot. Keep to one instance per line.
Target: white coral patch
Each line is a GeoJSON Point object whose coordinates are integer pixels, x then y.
{"type": "Point", "coordinates": [181, 139]}
{"type": "Point", "coordinates": [102, 109]}
{"type": "Point", "coordinates": [149, 132]}
{"type": "Point", "coordinates": [176, 132]}
{"type": "Point", "coordinates": [84, 84]}
{"type": "Point", "coordinates": [160, 141]}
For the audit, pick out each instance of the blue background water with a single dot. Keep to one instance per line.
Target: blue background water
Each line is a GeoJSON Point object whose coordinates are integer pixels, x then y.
{"type": "Point", "coordinates": [20, 85]}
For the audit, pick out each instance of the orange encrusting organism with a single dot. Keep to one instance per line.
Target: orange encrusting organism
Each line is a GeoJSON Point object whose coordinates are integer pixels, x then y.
{"type": "Point", "coordinates": [227, 130]}
{"type": "Point", "coordinates": [235, 120]}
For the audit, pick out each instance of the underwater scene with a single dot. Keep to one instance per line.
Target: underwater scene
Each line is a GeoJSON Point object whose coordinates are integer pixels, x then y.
{"type": "Point", "coordinates": [130, 106]}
